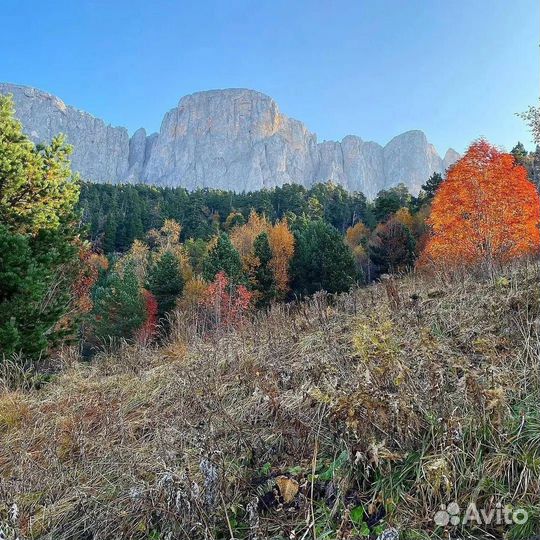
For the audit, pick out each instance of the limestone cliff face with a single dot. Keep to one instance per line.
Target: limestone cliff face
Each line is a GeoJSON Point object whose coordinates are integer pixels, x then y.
{"type": "Point", "coordinates": [231, 139]}
{"type": "Point", "coordinates": [100, 151]}
{"type": "Point", "coordinates": [450, 158]}
{"type": "Point", "coordinates": [410, 159]}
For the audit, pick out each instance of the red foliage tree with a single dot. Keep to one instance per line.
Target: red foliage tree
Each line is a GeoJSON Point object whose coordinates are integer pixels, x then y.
{"type": "Point", "coordinates": [226, 304]}
{"type": "Point", "coordinates": [486, 211]}
{"type": "Point", "coordinates": [89, 265]}
{"type": "Point", "coordinates": [148, 330]}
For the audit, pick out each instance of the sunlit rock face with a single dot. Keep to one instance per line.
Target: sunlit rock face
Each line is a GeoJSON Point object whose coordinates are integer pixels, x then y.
{"type": "Point", "coordinates": [100, 151]}
{"type": "Point", "coordinates": [230, 139]}
{"type": "Point", "coordinates": [450, 158]}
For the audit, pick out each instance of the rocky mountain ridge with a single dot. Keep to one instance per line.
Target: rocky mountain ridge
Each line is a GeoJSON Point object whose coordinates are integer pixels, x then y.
{"type": "Point", "coordinates": [233, 139]}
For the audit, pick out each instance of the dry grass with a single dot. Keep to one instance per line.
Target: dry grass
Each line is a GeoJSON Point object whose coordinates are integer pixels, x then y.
{"type": "Point", "coordinates": [363, 400]}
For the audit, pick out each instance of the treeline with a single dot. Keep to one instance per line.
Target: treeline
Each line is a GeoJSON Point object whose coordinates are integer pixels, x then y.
{"type": "Point", "coordinates": [118, 214]}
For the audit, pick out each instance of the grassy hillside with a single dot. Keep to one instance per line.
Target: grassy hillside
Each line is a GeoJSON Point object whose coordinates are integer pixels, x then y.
{"type": "Point", "coordinates": [336, 418]}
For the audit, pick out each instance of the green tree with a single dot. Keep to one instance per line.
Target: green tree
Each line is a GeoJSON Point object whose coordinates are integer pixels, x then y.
{"type": "Point", "coordinates": [322, 260]}
{"type": "Point", "coordinates": [392, 247]}
{"type": "Point", "coordinates": [196, 250]}
{"type": "Point", "coordinates": [109, 234]}
{"type": "Point", "coordinates": [130, 227]}
{"type": "Point", "coordinates": [34, 290]}
{"type": "Point", "coordinates": [431, 186]}
{"type": "Point", "coordinates": [519, 153]}
{"type": "Point", "coordinates": [38, 258]}
{"type": "Point", "coordinates": [37, 188]}
{"type": "Point", "coordinates": [223, 257]}
{"type": "Point", "coordinates": [119, 306]}
{"type": "Point", "coordinates": [389, 201]}
{"type": "Point", "coordinates": [165, 282]}
{"type": "Point", "coordinates": [265, 283]}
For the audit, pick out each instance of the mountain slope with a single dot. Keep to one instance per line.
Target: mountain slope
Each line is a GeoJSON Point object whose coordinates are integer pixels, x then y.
{"type": "Point", "coordinates": [397, 407]}
{"type": "Point", "coordinates": [232, 139]}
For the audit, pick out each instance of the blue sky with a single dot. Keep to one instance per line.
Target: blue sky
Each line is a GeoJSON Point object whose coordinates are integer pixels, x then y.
{"type": "Point", "coordinates": [457, 69]}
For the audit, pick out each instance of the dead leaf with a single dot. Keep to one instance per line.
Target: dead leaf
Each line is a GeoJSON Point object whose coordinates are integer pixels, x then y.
{"type": "Point", "coordinates": [288, 488]}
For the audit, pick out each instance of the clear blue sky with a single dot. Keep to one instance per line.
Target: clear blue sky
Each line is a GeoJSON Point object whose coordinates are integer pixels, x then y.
{"type": "Point", "coordinates": [457, 69]}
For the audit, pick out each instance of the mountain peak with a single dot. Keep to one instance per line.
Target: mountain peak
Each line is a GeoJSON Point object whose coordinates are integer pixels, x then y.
{"type": "Point", "coordinates": [233, 138]}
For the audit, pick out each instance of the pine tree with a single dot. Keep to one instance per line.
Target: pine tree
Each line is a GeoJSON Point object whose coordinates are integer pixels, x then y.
{"type": "Point", "coordinates": [28, 313]}
{"type": "Point", "coordinates": [265, 282]}
{"type": "Point", "coordinates": [38, 233]}
{"type": "Point", "coordinates": [165, 282]}
{"type": "Point", "coordinates": [322, 260]}
{"type": "Point", "coordinates": [119, 307]}
{"type": "Point", "coordinates": [223, 257]}
{"type": "Point", "coordinates": [519, 153]}
{"type": "Point", "coordinates": [388, 202]}
{"type": "Point", "coordinates": [430, 187]}
{"type": "Point", "coordinates": [37, 188]}
{"type": "Point", "coordinates": [133, 221]}
{"type": "Point", "coordinates": [109, 234]}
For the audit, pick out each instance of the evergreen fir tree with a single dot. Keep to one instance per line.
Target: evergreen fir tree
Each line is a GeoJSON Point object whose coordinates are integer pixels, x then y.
{"type": "Point", "coordinates": [387, 203]}
{"type": "Point", "coordinates": [223, 257]}
{"type": "Point", "coordinates": [430, 187]}
{"type": "Point", "coordinates": [109, 234]}
{"type": "Point", "coordinates": [38, 231]}
{"type": "Point", "coordinates": [119, 307]}
{"type": "Point", "coordinates": [29, 271]}
{"type": "Point", "coordinates": [165, 282]}
{"type": "Point", "coordinates": [322, 260]}
{"type": "Point", "coordinates": [520, 154]}
{"type": "Point", "coordinates": [265, 283]}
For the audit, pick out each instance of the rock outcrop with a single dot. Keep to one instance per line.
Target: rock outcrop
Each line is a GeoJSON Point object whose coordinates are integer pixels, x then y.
{"type": "Point", "coordinates": [230, 139]}
{"type": "Point", "coordinates": [100, 151]}
{"type": "Point", "coordinates": [450, 158]}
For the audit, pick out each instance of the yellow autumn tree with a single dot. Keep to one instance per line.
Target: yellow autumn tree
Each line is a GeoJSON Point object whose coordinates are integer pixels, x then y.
{"type": "Point", "coordinates": [243, 237]}
{"type": "Point", "coordinates": [404, 216]}
{"type": "Point", "coordinates": [281, 241]}
{"type": "Point", "coordinates": [167, 240]}
{"type": "Point", "coordinates": [357, 235]}
{"type": "Point", "coordinates": [138, 258]}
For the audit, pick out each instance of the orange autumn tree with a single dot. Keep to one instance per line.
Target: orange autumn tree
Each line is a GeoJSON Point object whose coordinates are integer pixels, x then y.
{"type": "Point", "coordinates": [243, 236]}
{"type": "Point", "coordinates": [486, 211]}
{"type": "Point", "coordinates": [281, 241]}
{"type": "Point", "coordinates": [148, 330]}
{"type": "Point", "coordinates": [226, 304]}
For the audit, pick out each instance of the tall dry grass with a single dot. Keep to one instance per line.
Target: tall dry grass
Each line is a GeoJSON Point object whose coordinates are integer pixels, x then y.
{"type": "Point", "coordinates": [395, 399]}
